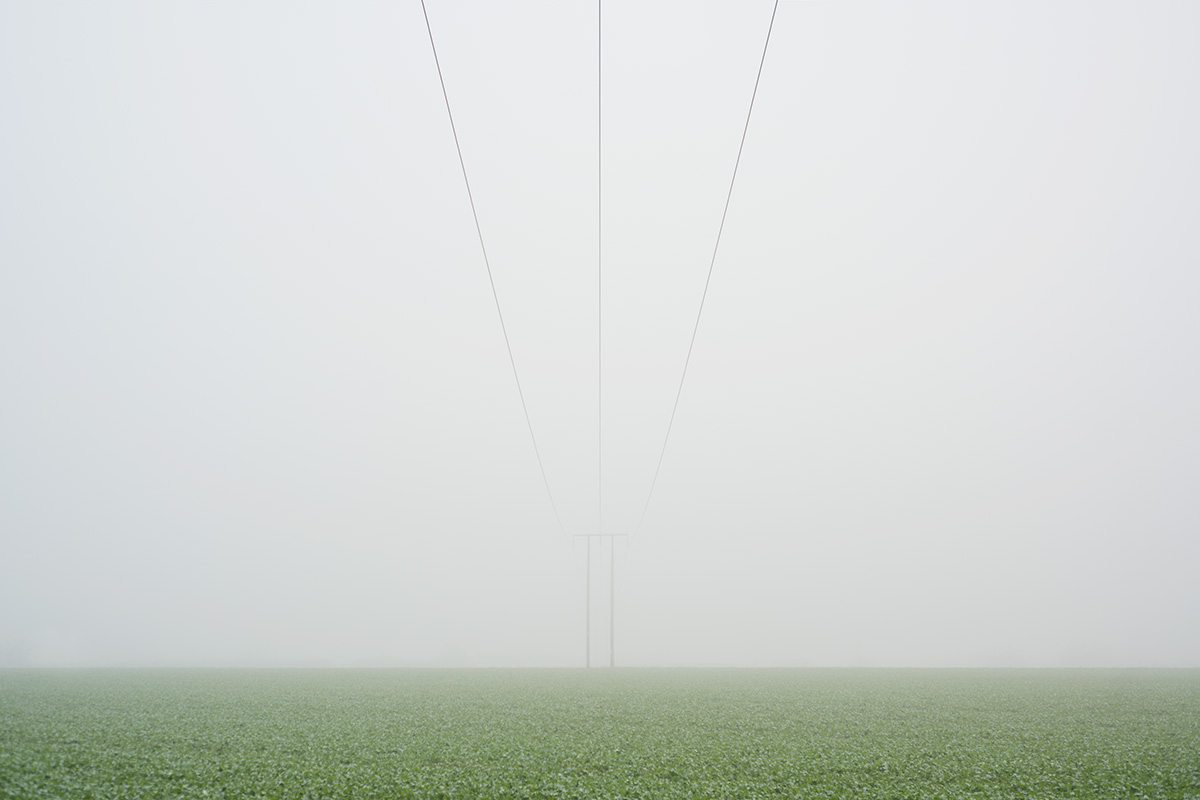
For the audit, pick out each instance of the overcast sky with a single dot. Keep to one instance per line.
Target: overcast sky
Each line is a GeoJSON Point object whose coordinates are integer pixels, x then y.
{"type": "Point", "coordinates": [257, 410]}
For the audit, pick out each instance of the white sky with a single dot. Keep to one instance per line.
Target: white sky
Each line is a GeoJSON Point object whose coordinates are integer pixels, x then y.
{"type": "Point", "coordinates": [256, 406]}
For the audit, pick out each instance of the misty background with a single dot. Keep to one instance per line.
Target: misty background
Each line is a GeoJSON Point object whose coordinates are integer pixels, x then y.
{"type": "Point", "coordinates": [942, 410]}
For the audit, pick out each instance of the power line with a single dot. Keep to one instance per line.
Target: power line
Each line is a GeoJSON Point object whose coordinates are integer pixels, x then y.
{"type": "Point", "coordinates": [708, 279]}
{"type": "Point", "coordinates": [599, 269]}
{"type": "Point", "coordinates": [491, 278]}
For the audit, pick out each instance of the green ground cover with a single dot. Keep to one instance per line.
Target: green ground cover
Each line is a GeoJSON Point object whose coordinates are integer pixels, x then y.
{"type": "Point", "coordinates": [600, 734]}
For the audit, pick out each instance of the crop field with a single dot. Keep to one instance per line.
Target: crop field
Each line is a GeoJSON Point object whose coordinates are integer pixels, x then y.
{"type": "Point", "coordinates": [600, 734]}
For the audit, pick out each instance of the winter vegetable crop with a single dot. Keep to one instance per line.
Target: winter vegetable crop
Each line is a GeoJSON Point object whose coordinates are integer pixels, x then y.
{"type": "Point", "coordinates": [599, 734]}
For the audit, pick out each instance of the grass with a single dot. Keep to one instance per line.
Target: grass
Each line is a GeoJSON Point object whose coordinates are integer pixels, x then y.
{"type": "Point", "coordinates": [600, 734]}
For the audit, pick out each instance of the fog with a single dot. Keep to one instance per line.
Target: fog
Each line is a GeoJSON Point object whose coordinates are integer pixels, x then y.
{"type": "Point", "coordinates": [257, 409]}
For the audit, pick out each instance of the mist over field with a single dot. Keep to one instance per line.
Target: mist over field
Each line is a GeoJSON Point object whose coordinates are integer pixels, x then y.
{"type": "Point", "coordinates": [256, 407]}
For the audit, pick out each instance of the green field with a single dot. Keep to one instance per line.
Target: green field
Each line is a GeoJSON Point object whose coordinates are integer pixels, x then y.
{"type": "Point", "coordinates": [599, 734]}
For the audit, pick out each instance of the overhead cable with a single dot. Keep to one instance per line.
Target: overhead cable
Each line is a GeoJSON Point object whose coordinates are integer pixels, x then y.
{"type": "Point", "coordinates": [708, 279]}
{"type": "Point", "coordinates": [491, 278]}
{"type": "Point", "coordinates": [599, 271]}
